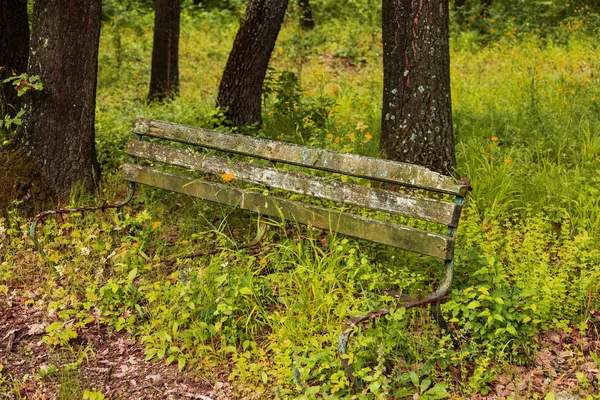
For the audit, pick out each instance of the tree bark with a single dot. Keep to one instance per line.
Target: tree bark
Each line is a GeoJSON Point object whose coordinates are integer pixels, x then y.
{"type": "Point", "coordinates": [484, 6]}
{"type": "Point", "coordinates": [416, 124]}
{"type": "Point", "coordinates": [164, 77]}
{"type": "Point", "coordinates": [59, 125]}
{"type": "Point", "coordinates": [240, 90]}
{"type": "Point", "coordinates": [14, 50]}
{"type": "Point", "coordinates": [306, 17]}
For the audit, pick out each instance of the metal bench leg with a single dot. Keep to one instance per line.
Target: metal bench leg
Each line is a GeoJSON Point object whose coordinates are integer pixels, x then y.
{"type": "Point", "coordinates": [42, 215]}
{"type": "Point", "coordinates": [433, 299]}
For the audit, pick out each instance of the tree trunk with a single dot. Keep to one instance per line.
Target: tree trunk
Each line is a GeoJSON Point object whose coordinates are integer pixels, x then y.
{"type": "Point", "coordinates": [416, 124]}
{"type": "Point", "coordinates": [484, 7]}
{"type": "Point", "coordinates": [164, 78]}
{"type": "Point", "coordinates": [306, 18]}
{"type": "Point", "coordinates": [14, 50]}
{"type": "Point", "coordinates": [241, 85]}
{"type": "Point", "coordinates": [59, 125]}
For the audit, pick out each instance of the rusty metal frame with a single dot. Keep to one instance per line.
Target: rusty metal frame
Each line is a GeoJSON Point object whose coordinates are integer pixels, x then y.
{"type": "Point", "coordinates": [433, 299]}
{"type": "Point", "coordinates": [60, 211]}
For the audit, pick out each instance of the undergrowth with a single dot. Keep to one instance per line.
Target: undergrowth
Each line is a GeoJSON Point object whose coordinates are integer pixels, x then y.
{"type": "Point", "coordinates": [267, 319]}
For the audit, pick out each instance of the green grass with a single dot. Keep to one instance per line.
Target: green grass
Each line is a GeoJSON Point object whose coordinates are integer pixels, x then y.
{"type": "Point", "coordinates": [526, 119]}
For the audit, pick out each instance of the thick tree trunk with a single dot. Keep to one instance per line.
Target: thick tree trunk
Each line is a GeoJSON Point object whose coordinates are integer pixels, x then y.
{"type": "Point", "coordinates": [484, 7]}
{"type": "Point", "coordinates": [164, 78]}
{"type": "Point", "coordinates": [14, 50]}
{"type": "Point", "coordinates": [306, 17]}
{"type": "Point", "coordinates": [416, 125]}
{"type": "Point", "coordinates": [59, 124]}
{"type": "Point", "coordinates": [241, 85]}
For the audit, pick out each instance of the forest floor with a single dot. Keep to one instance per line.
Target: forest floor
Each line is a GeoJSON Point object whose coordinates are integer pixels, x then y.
{"type": "Point", "coordinates": [114, 365]}
{"type": "Point", "coordinates": [98, 360]}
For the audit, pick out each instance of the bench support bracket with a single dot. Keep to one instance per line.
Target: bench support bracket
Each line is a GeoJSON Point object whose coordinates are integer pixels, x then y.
{"type": "Point", "coordinates": [103, 207]}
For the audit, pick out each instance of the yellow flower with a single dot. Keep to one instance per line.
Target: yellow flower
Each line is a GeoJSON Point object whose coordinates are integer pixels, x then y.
{"type": "Point", "coordinates": [507, 160]}
{"type": "Point", "coordinates": [309, 107]}
{"type": "Point", "coordinates": [368, 136]}
{"type": "Point", "coordinates": [227, 177]}
{"type": "Point", "coordinates": [184, 242]}
{"type": "Point", "coordinates": [136, 245]}
{"type": "Point", "coordinates": [155, 224]}
{"type": "Point", "coordinates": [494, 139]}
{"type": "Point", "coordinates": [330, 135]}
{"type": "Point", "coordinates": [330, 115]}
{"type": "Point", "coordinates": [351, 136]}
{"type": "Point", "coordinates": [263, 261]}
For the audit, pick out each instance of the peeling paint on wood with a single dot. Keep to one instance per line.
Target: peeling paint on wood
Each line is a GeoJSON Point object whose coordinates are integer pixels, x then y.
{"type": "Point", "coordinates": [327, 160]}
{"type": "Point", "coordinates": [410, 239]}
{"type": "Point", "coordinates": [383, 200]}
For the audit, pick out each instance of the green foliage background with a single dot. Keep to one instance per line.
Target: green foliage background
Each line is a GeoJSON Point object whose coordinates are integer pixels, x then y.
{"type": "Point", "coordinates": [526, 101]}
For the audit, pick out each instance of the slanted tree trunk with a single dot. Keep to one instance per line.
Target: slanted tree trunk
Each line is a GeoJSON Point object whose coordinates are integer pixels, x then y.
{"type": "Point", "coordinates": [416, 124]}
{"type": "Point", "coordinates": [484, 7]}
{"type": "Point", "coordinates": [240, 90]}
{"type": "Point", "coordinates": [59, 124]}
{"type": "Point", "coordinates": [14, 50]}
{"type": "Point", "coordinates": [164, 77]}
{"type": "Point", "coordinates": [306, 17]}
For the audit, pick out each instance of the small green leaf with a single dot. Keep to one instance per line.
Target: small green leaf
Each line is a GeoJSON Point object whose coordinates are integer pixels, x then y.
{"type": "Point", "coordinates": [511, 329]}
{"type": "Point", "coordinates": [473, 304]}
{"type": "Point", "coordinates": [246, 291]}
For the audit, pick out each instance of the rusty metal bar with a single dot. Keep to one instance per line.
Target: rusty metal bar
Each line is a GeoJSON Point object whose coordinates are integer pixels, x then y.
{"type": "Point", "coordinates": [103, 207]}
{"type": "Point", "coordinates": [435, 297]}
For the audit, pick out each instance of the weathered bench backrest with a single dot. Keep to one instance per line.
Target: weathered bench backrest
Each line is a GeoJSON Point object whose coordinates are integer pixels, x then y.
{"type": "Point", "coordinates": [427, 209]}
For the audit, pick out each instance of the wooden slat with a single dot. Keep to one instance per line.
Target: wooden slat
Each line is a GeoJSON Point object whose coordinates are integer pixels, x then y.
{"type": "Point", "coordinates": [411, 239]}
{"type": "Point", "coordinates": [349, 164]}
{"type": "Point", "coordinates": [376, 199]}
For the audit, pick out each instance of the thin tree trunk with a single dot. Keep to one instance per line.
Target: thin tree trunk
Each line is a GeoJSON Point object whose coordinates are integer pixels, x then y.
{"type": "Point", "coordinates": [14, 50]}
{"type": "Point", "coordinates": [59, 125]}
{"type": "Point", "coordinates": [164, 78]}
{"type": "Point", "coordinates": [306, 17]}
{"type": "Point", "coordinates": [416, 125]}
{"type": "Point", "coordinates": [484, 7]}
{"type": "Point", "coordinates": [240, 90]}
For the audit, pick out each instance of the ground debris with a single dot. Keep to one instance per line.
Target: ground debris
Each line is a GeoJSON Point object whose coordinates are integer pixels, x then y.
{"type": "Point", "coordinates": [113, 363]}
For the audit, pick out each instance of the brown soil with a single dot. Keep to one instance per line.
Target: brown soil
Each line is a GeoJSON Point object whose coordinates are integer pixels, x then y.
{"type": "Point", "coordinates": [109, 362]}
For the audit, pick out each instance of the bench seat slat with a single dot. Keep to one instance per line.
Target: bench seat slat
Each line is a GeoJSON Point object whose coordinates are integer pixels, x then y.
{"type": "Point", "coordinates": [411, 239]}
{"type": "Point", "coordinates": [383, 200]}
{"type": "Point", "coordinates": [327, 160]}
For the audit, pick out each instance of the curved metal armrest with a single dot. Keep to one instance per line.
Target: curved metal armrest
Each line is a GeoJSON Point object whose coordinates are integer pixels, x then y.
{"type": "Point", "coordinates": [408, 303]}
{"type": "Point", "coordinates": [42, 215]}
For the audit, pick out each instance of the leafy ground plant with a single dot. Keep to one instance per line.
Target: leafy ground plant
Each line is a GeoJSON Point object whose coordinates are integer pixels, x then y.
{"type": "Point", "coordinates": [264, 322]}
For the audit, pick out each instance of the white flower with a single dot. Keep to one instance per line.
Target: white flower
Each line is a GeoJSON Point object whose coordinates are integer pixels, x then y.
{"type": "Point", "coordinates": [85, 251]}
{"type": "Point", "coordinates": [60, 269]}
{"type": "Point", "coordinates": [2, 231]}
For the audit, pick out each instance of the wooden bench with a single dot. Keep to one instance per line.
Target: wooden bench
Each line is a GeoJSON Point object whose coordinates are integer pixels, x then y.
{"type": "Point", "coordinates": [160, 142]}
{"type": "Point", "coordinates": [371, 169]}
